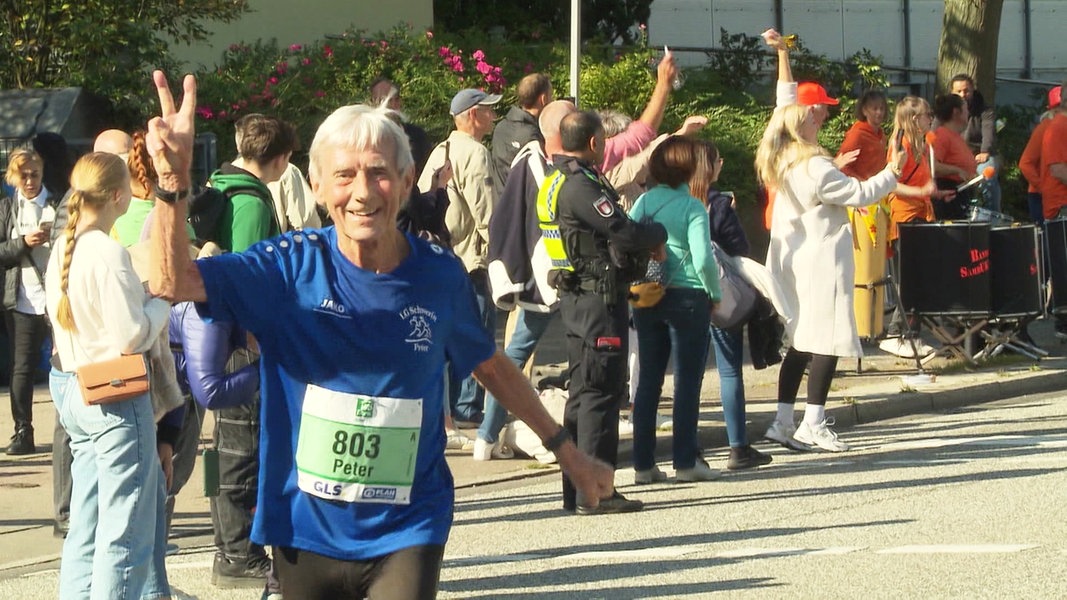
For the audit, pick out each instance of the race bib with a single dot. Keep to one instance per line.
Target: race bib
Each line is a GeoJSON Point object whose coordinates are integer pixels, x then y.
{"type": "Point", "coordinates": [356, 448]}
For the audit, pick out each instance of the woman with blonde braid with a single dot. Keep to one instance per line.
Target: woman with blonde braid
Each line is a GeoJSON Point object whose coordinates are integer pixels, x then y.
{"type": "Point", "coordinates": [99, 310]}
{"type": "Point", "coordinates": [810, 255]}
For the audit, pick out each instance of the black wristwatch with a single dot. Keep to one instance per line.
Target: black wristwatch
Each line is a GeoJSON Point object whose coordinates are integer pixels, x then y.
{"type": "Point", "coordinates": [553, 443]}
{"type": "Point", "coordinates": [170, 197]}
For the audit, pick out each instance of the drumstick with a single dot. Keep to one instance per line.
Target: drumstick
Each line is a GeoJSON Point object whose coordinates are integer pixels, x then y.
{"type": "Point", "coordinates": [930, 137]}
{"type": "Point", "coordinates": [987, 173]}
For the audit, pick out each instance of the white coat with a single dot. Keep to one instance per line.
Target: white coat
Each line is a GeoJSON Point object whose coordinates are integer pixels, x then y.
{"type": "Point", "coordinates": [810, 253]}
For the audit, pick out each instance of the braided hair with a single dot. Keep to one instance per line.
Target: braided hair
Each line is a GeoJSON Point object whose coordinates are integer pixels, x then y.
{"type": "Point", "coordinates": [96, 179]}
{"type": "Point", "coordinates": [142, 171]}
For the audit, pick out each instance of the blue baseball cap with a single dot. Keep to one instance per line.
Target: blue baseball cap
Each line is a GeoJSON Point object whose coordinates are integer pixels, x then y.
{"type": "Point", "coordinates": [468, 98]}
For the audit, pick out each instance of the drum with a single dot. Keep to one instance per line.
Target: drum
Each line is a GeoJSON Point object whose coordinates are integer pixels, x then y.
{"type": "Point", "coordinates": [1015, 268]}
{"type": "Point", "coordinates": [984, 215]}
{"type": "Point", "coordinates": [1056, 263]}
{"type": "Point", "coordinates": [945, 269]}
{"type": "Point", "coordinates": [870, 279]}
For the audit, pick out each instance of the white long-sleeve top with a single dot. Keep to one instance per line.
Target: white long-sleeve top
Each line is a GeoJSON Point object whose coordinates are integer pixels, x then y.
{"type": "Point", "coordinates": [112, 312]}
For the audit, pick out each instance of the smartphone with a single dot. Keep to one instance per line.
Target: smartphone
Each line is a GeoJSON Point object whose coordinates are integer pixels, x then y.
{"type": "Point", "coordinates": [211, 472]}
{"type": "Point", "coordinates": [45, 225]}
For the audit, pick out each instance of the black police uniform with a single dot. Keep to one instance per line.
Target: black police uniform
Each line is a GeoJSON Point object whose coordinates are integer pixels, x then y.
{"type": "Point", "coordinates": [606, 249]}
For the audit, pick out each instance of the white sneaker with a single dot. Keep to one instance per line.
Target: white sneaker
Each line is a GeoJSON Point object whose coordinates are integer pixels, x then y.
{"type": "Point", "coordinates": [626, 427]}
{"type": "Point", "coordinates": [455, 440]}
{"type": "Point", "coordinates": [649, 475]}
{"type": "Point", "coordinates": [783, 434]}
{"type": "Point", "coordinates": [700, 472]}
{"type": "Point", "coordinates": [664, 423]}
{"type": "Point", "coordinates": [898, 346]}
{"type": "Point", "coordinates": [820, 435]}
{"type": "Point", "coordinates": [483, 450]}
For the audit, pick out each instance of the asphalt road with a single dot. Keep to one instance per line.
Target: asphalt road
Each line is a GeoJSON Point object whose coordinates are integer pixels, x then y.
{"type": "Point", "coordinates": [966, 504]}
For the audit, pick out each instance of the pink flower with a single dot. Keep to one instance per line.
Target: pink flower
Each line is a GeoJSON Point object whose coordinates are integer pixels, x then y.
{"type": "Point", "coordinates": [444, 52]}
{"type": "Point", "coordinates": [281, 68]}
{"type": "Point", "coordinates": [205, 112]}
{"type": "Point", "coordinates": [528, 68]}
{"type": "Point", "coordinates": [305, 61]}
{"type": "Point", "coordinates": [642, 27]}
{"type": "Point", "coordinates": [296, 48]}
{"type": "Point", "coordinates": [383, 44]}
{"type": "Point", "coordinates": [235, 106]}
{"type": "Point", "coordinates": [483, 68]}
{"type": "Point", "coordinates": [222, 114]}
{"type": "Point", "coordinates": [319, 93]}
{"type": "Point", "coordinates": [272, 81]}
{"type": "Point", "coordinates": [327, 51]}
{"type": "Point", "coordinates": [478, 55]}
{"type": "Point", "coordinates": [429, 34]}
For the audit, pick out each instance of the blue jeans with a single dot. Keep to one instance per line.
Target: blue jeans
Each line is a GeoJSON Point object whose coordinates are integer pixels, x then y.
{"type": "Point", "coordinates": [465, 396]}
{"type": "Point", "coordinates": [529, 327]}
{"type": "Point", "coordinates": [677, 326]}
{"type": "Point", "coordinates": [116, 547]}
{"type": "Point", "coordinates": [729, 347]}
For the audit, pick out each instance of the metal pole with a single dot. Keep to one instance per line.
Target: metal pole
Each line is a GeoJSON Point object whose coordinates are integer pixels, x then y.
{"type": "Point", "coordinates": [576, 46]}
{"type": "Point", "coordinates": [1028, 42]}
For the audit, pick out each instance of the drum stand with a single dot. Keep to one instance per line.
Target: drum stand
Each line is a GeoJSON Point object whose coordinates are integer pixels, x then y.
{"type": "Point", "coordinates": [1005, 336]}
{"type": "Point", "coordinates": [953, 345]}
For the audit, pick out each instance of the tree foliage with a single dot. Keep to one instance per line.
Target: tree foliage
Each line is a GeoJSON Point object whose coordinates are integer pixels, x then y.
{"type": "Point", "coordinates": [106, 46]}
{"type": "Point", "coordinates": [604, 20]}
{"type": "Point", "coordinates": [969, 37]}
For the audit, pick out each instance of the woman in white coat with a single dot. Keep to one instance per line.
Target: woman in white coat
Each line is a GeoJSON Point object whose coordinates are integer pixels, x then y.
{"type": "Point", "coordinates": [810, 255]}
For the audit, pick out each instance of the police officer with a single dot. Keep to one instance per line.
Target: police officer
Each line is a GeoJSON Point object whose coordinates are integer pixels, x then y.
{"type": "Point", "coordinates": [596, 251]}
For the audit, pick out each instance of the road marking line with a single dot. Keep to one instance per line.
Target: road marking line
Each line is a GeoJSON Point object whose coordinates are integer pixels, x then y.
{"type": "Point", "coordinates": [652, 552]}
{"type": "Point", "coordinates": [958, 549]}
{"type": "Point", "coordinates": [772, 552]}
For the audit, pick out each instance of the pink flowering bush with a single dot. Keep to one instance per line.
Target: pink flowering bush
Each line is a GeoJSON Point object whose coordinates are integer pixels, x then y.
{"type": "Point", "coordinates": [303, 83]}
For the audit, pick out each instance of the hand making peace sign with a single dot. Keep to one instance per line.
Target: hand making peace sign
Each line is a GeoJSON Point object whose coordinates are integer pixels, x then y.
{"type": "Point", "coordinates": [170, 135]}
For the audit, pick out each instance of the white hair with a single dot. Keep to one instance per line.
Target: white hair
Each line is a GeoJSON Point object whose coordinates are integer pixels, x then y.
{"type": "Point", "coordinates": [359, 127]}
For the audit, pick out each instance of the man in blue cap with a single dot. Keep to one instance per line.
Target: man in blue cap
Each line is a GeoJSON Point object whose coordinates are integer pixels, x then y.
{"type": "Point", "coordinates": [471, 198]}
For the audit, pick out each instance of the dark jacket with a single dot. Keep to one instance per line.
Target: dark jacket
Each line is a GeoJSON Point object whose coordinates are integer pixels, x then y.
{"type": "Point", "coordinates": [514, 131]}
{"type": "Point", "coordinates": [420, 145]}
{"type": "Point", "coordinates": [764, 328]}
{"type": "Point", "coordinates": [981, 131]}
{"type": "Point", "coordinates": [12, 251]}
{"type": "Point", "coordinates": [726, 229]}
{"type": "Point", "coordinates": [201, 353]}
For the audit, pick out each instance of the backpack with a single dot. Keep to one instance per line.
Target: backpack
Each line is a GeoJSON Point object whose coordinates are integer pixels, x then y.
{"type": "Point", "coordinates": [206, 208]}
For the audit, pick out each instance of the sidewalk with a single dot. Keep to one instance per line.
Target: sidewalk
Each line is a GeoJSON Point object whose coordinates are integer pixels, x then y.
{"type": "Point", "coordinates": [27, 543]}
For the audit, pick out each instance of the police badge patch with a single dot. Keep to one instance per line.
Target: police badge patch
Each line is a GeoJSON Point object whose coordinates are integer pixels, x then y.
{"type": "Point", "coordinates": [604, 206]}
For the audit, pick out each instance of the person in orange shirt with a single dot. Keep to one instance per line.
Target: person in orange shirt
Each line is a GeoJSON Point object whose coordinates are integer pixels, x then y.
{"type": "Point", "coordinates": [866, 136]}
{"type": "Point", "coordinates": [910, 202]}
{"type": "Point", "coordinates": [1054, 165]}
{"type": "Point", "coordinates": [954, 163]}
{"type": "Point", "coordinates": [1030, 161]}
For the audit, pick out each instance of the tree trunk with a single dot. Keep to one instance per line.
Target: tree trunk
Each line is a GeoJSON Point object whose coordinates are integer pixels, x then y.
{"type": "Point", "coordinates": [969, 44]}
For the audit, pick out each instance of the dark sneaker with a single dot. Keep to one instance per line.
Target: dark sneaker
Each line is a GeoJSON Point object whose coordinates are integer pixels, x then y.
{"type": "Point", "coordinates": [22, 443]}
{"type": "Point", "coordinates": [60, 529]}
{"type": "Point", "coordinates": [616, 504]}
{"type": "Point", "coordinates": [746, 457]}
{"type": "Point", "coordinates": [230, 574]}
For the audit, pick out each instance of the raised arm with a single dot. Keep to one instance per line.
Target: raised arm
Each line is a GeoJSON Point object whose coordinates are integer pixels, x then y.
{"type": "Point", "coordinates": [665, 73]}
{"type": "Point", "coordinates": [170, 142]}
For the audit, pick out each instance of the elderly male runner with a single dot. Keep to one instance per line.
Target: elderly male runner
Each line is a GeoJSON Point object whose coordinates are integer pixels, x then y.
{"type": "Point", "coordinates": [355, 323]}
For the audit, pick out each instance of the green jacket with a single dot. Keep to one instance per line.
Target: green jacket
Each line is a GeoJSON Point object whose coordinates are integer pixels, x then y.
{"type": "Point", "coordinates": [249, 217]}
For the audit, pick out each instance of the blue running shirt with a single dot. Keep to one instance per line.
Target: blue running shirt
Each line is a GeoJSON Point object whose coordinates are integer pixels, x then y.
{"type": "Point", "coordinates": [322, 321]}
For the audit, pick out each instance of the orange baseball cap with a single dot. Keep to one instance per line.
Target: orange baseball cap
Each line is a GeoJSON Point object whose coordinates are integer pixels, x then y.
{"type": "Point", "coordinates": [810, 93]}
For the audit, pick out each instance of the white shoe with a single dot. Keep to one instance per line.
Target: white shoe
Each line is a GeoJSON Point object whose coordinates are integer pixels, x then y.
{"type": "Point", "coordinates": [664, 423]}
{"type": "Point", "coordinates": [455, 440]}
{"type": "Point", "coordinates": [820, 435]}
{"type": "Point", "coordinates": [483, 450]}
{"type": "Point", "coordinates": [626, 427]}
{"type": "Point", "coordinates": [898, 347]}
{"type": "Point", "coordinates": [782, 432]}
{"type": "Point", "coordinates": [700, 472]}
{"type": "Point", "coordinates": [649, 475]}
